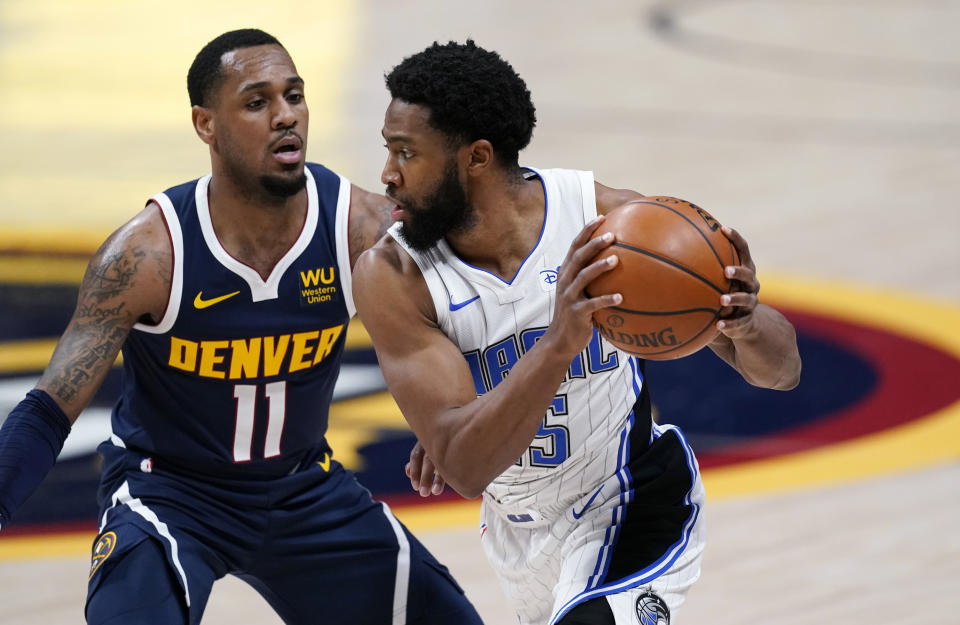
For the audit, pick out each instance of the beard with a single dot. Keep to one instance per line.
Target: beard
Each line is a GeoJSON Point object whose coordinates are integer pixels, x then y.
{"type": "Point", "coordinates": [281, 187]}
{"type": "Point", "coordinates": [443, 211]}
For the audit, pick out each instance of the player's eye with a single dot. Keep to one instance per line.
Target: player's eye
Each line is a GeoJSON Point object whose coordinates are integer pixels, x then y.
{"type": "Point", "coordinates": [404, 153]}
{"type": "Point", "coordinates": [295, 98]}
{"type": "Point", "coordinates": [255, 104]}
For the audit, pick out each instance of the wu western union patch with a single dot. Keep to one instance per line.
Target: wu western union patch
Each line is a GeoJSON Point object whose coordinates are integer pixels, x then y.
{"type": "Point", "coordinates": [318, 286]}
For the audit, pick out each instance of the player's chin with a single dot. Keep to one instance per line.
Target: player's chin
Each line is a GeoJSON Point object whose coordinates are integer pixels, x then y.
{"type": "Point", "coordinates": [284, 184]}
{"type": "Point", "coordinates": [286, 172]}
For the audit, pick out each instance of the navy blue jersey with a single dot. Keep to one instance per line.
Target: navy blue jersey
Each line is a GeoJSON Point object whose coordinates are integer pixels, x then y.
{"type": "Point", "coordinates": [238, 376]}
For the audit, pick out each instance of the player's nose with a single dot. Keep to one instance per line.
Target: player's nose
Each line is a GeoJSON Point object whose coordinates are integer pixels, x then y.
{"type": "Point", "coordinates": [284, 116]}
{"type": "Point", "coordinates": [390, 175]}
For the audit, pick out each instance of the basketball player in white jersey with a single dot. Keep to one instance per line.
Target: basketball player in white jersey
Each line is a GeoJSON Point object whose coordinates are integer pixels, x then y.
{"type": "Point", "coordinates": [475, 302]}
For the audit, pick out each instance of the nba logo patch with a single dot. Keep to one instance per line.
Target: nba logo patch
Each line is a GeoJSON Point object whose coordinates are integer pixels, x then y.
{"type": "Point", "coordinates": [101, 551]}
{"type": "Point", "coordinates": [652, 610]}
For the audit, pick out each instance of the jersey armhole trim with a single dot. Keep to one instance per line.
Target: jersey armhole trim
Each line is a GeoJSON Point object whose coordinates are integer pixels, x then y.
{"type": "Point", "coordinates": [430, 276]}
{"type": "Point", "coordinates": [172, 223]}
{"type": "Point", "coordinates": [589, 194]}
{"type": "Point", "coordinates": [342, 244]}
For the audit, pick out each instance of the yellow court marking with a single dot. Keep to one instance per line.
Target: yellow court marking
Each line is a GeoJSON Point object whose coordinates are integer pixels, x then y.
{"type": "Point", "coordinates": [46, 546]}
{"type": "Point", "coordinates": [930, 440]}
{"type": "Point", "coordinates": [359, 421]}
{"type": "Point", "coordinates": [38, 269]}
{"type": "Point", "coordinates": [30, 355]}
{"type": "Point", "coordinates": [919, 317]}
{"type": "Point", "coordinates": [443, 515]}
{"type": "Point", "coordinates": [357, 336]}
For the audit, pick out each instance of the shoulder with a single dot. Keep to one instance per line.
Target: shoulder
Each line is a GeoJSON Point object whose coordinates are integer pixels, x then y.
{"type": "Point", "coordinates": [386, 278]}
{"type": "Point", "coordinates": [386, 258]}
{"type": "Point", "coordinates": [368, 222]}
{"type": "Point", "coordinates": [147, 233]}
{"type": "Point", "coordinates": [136, 263]}
{"type": "Point", "coordinates": [609, 198]}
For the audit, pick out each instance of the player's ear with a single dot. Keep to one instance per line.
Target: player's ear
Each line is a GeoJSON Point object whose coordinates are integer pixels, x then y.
{"type": "Point", "coordinates": [203, 123]}
{"type": "Point", "coordinates": [479, 156]}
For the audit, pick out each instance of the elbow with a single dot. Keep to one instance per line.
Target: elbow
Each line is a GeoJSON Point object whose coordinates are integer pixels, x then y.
{"type": "Point", "coordinates": [790, 378]}
{"type": "Point", "coordinates": [465, 477]}
{"type": "Point", "coordinates": [468, 492]}
{"type": "Point", "coordinates": [786, 378]}
{"type": "Point", "coordinates": [468, 486]}
{"type": "Point", "coordinates": [463, 462]}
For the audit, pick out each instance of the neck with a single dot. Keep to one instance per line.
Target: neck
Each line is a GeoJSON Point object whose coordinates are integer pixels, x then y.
{"type": "Point", "coordinates": [510, 214]}
{"type": "Point", "coordinates": [254, 227]}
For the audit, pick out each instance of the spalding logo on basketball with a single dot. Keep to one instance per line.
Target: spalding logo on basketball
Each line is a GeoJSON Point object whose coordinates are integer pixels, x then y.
{"type": "Point", "coordinates": [671, 275]}
{"type": "Point", "coordinates": [652, 610]}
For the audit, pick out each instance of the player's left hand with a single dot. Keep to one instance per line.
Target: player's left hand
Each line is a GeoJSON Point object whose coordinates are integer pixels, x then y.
{"type": "Point", "coordinates": [423, 474]}
{"type": "Point", "coordinates": [736, 315]}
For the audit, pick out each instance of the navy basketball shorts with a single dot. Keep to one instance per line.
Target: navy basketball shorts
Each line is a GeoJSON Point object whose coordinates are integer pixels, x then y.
{"type": "Point", "coordinates": [314, 544]}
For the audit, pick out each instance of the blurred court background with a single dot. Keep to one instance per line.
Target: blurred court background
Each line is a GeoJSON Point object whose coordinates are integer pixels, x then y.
{"type": "Point", "coordinates": [827, 132]}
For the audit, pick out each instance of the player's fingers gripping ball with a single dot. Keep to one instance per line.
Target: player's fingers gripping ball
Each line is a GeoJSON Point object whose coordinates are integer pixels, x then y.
{"type": "Point", "coordinates": [671, 274]}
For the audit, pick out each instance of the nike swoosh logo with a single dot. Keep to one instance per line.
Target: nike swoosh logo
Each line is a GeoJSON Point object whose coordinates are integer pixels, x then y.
{"type": "Point", "coordinates": [462, 304]}
{"type": "Point", "coordinates": [576, 514]}
{"type": "Point", "coordinates": [200, 303]}
{"type": "Point", "coordinates": [325, 463]}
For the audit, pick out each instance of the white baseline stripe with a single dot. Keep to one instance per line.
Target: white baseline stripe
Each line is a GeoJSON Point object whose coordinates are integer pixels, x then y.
{"type": "Point", "coordinates": [402, 585]}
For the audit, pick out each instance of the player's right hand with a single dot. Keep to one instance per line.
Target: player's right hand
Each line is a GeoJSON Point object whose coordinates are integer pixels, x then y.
{"type": "Point", "coordinates": [423, 474]}
{"type": "Point", "coordinates": [572, 325]}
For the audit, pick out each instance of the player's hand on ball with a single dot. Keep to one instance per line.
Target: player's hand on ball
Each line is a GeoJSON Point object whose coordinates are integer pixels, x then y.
{"type": "Point", "coordinates": [423, 474]}
{"type": "Point", "coordinates": [573, 316]}
{"type": "Point", "coordinates": [737, 320]}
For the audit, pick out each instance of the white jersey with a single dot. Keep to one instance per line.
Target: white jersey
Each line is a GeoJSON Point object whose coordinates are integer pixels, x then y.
{"type": "Point", "coordinates": [494, 322]}
{"type": "Point", "coordinates": [594, 432]}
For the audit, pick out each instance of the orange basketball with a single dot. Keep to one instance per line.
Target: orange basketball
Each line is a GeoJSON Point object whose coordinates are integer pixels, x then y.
{"type": "Point", "coordinates": [672, 256]}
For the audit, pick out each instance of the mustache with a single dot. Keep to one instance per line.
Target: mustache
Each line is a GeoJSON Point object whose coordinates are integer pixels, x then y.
{"type": "Point", "coordinates": [289, 132]}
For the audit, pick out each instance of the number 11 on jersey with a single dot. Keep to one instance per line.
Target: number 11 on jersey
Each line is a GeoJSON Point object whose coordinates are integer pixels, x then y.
{"type": "Point", "coordinates": [246, 396]}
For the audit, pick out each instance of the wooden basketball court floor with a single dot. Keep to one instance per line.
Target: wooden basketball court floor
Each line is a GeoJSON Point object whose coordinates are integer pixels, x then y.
{"type": "Point", "coordinates": [828, 132]}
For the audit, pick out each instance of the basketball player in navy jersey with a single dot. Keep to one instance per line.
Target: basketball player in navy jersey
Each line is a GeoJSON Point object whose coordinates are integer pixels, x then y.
{"type": "Point", "coordinates": [229, 296]}
{"type": "Point", "coordinates": [592, 513]}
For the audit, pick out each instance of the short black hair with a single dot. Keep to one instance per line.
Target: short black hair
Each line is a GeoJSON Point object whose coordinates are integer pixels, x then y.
{"type": "Point", "coordinates": [206, 71]}
{"type": "Point", "coordinates": [471, 93]}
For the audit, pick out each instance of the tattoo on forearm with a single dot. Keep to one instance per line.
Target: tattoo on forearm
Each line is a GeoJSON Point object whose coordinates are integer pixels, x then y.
{"type": "Point", "coordinates": [82, 355]}
{"type": "Point", "coordinates": [99, 325]}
